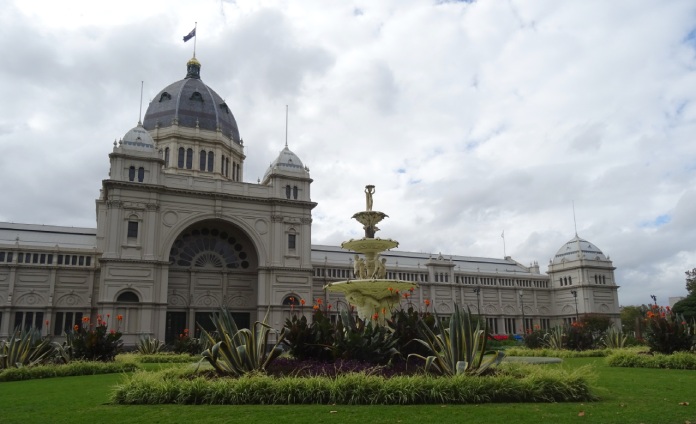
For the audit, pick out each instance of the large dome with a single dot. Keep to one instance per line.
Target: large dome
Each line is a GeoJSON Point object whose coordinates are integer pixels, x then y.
{"type": "Point", "coordinates": [578, 248]}
{"type": "Point", "coordinates": [191, 103]}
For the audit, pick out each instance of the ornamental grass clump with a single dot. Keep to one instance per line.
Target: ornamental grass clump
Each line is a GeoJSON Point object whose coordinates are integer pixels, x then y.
{"type": "Point", "coordinates": [236, 351]}
{"type": "Point", "coordinates": [459, 349]}
{"type": "Point", "coordinates": [632, 359]}
{"type": "Point", "coordinates": [66, 370]}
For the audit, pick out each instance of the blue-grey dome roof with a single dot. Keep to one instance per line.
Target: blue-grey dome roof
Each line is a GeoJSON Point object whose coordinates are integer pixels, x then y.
{"type": "Point", "coordinates": [191, 103]}
{"type": "Point", "coordinates": [577, 248]}
{"type": "Point", "coordinates": [138, 139]}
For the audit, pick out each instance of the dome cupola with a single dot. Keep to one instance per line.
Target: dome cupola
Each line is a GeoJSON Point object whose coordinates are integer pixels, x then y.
{"type": "Point", "coordinates": [191, 103]}
{"type": "Point", "coordinates": [576, 249]}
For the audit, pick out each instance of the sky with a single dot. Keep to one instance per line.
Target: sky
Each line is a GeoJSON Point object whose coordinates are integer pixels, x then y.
{"type": "Point", "coordinates": [472, 118]}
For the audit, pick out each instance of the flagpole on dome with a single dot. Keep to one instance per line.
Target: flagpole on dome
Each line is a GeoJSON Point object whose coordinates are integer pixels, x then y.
{"type": "Point", "coordinates": [195, 28]}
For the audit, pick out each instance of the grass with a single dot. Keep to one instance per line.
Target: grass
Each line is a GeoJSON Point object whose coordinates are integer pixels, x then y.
{"type": "Point", "coordinates": [629, 395]}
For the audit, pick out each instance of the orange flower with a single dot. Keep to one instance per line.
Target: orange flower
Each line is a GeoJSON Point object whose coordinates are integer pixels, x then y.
{"type": "Point", "coordinates": [292, 299]}
{"type": "Point", "coordinates": [375, 317]}
{"type": "Point", "coordinates": [315, 307]}
{"type": "Point", "coordinates": [411, 289]}
{"type": "Point", "coordinates": [76, 327]}
{"type": "Point", "coordinates": [406, 295]}
{"type": "Point", "coordinates": [329, 306]}
{"type": "Point", "coordinates": [119, 317]}
{"type": "Point", "coordinates": [390, 289]}
{"type": "Point", "coordinates": [427, 302]}
{"type": "Point", "coordinates": [85, 319]}
{"type": "Point", "coordinates": [319, 301]}
{"type": "Point", "coordinates": [185, 330]}
{"type": "Point", "coordinates": [396, 292]}
{"type": "Point", "coordinates": [302, 302]}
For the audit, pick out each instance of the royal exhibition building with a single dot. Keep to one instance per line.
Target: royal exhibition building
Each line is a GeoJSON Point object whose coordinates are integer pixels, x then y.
{"type": "Point", "coordinates": [180, 234]}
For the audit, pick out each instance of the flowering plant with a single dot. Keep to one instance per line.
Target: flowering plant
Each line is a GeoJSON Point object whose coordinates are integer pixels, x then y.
{"type": "Point", "coordinates": [667, 331]}
{"type": "Point", "coordinates": [95, 343]}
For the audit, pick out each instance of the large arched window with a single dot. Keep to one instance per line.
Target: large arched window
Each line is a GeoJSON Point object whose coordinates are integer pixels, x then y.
{"type": "Point", "coordinates": [128, 296]}
{"type": "Point", "coordinates": [292, 300]}
{"type": "Point", "coordinates": [294, 192]}
{"type": "Point", "coordinates": [287, 191]}
{"type": "Point", "coordinates": [227, 167]}
{"type": "Point", "coordinates": [166, 157]}
{"type": "Point", "coordinates": [212, 248]}
{"type": "Point", "coordinates": [131, 173]}
{"type": "Point", "coordinates": [211, 161]}
{"type": "Point", "coordinates": [141, 174]}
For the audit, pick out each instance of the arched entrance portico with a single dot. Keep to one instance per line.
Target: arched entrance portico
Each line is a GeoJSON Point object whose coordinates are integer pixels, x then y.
{"type": "Point", "coordinates": [212, 264]}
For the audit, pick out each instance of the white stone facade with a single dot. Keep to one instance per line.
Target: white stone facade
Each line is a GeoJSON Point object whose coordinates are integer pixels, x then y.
{"type": "Point", "coordinates": [180, 235]}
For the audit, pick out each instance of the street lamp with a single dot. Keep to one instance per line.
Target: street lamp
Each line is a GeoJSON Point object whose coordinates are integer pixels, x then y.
{"type": "Point", "coordinates": [477, 290]}
{"type": "Point", "coordinates": [575, 296]}
{"type": "Point", "coordinates": [524, 329]}
{"type": "Point", "coordinates": [654, 298]}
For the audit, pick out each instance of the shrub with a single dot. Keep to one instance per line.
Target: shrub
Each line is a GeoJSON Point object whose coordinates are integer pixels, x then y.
{"type": "Point", "coordinates": [358, 340]}
{"type": "Point", "coordinates": [535, 339]}
{"type": "Point", "coordinates": [676, 360]}
{"type": "Point", "coordinates": [163, 358]}
{"type": "Point", "coordinates": [404, 324]}
{"type": "Point", "coordinates": [459, 349]}
{"type": "Point", "coordinates": [578, 337]}
{"type": "Point", "coordinates": [94, 343]}
{"type": "Point", "coordinates": [667, 332]}
{"type": "Point", "coordinates": [310, 341]}
{"type": "Point", "coordinates": [66, 370]}
{"type": "Point", "coordinates": [555, 338]}
{"type": "Point", "coordinates": [26, 348]}
{"type": "Point", "coordinates": [184, 343]}
{"type": "Point", "coordinates": [614, 339]}
{"type": "Point", "coordinates": [513, 383]}
{"type": "Point", "coordinates": [239, 351]}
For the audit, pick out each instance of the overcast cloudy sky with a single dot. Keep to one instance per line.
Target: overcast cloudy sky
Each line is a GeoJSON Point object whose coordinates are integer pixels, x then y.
{"type": "Point", "coordinates": [470, 117]}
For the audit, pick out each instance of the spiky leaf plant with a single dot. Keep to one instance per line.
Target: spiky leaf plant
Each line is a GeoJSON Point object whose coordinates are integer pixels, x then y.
{"type": "Point", "coordinates": [458, 349]}
{"type": "Point", "coordinates": [614, 339]}
{"type": "Point", "coordinates": [363, 341]}
{"type": "Point", "coordinates": [236, 351]}
{"type": "Point", "coordinates": [148, 345]}
{"type": "Point", "coordinates": [25, 348]}
{"type": "Point", "coordinates": [554, 339]}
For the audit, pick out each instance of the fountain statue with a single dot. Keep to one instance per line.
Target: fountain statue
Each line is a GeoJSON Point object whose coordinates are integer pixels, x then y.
{"type": "Point", "coordinates": [372, 294]}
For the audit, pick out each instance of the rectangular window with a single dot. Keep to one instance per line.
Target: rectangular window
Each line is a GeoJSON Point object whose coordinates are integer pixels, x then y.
{"type": "Point", "coordinates": [510, 326]}
{"type": "Point", "coordinates": [2, 256]}
{"type": "Point", "coordinates": [492, 324]}
{"type": "Point", "coordinates": [65, 321]}
{"type": "Point", "coordinates": [42, 258]}
{"type": "Point", "coordinates": [9, 256]}
{"type": "Point", "coordinates": [88, 261]}
{"type": "Point", "coordinates": [35, 259]}
{"type": "Point", "coordinates": [20, 258]}
{"type": "Point", "coordinates": [292, 239]}
{"type": "Point", "coordinates": [27, 320]}
{"type": "Point", "coordinates": [82, 261]}
{"type": "Point", "coordinates": [132, 229]}
{"type": "Point", "coordinates": [545, 323]}
{"type": "Point", "coordinates": [73, 260]}
{"type": "Point", "coordinates": [60, 259]}
{"type": "Point", "coordinates": [50, 259]}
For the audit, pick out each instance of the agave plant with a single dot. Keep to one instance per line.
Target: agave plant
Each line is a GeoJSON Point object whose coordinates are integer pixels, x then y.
{"type": "Point", "coordinates": [25, 348]}
{"type": "Point", "coordinates": [554, 338]}
{"type": "Point", "coordinates": [148, 345]}
{"type": "Point", "coordinates": [459, 349]}
{"type": "Point", "coordinates": [364, 341]}
{"type": "Point", "coordinates": [236, 351]}
{"type": "Point", "coordinates": [614, 339]}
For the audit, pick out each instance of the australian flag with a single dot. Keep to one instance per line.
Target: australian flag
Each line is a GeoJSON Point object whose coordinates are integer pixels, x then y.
{"type": "Point", "coordinates": [190, 35]}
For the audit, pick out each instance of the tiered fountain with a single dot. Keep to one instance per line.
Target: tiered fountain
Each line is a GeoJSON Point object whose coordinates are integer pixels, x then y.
{"type": "Point", "coordinates": [371, 293]}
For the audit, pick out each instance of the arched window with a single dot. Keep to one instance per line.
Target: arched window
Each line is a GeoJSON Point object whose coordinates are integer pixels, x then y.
{"type": "Point", "coordinates": [141, 174]}
{"type": "Point", "coordinates": [239, 173]}
{"type": "Point", "coordinates": [128, 296]}
{"type": "Point", "coordinates": [234, 170]}
{"type": "Point", "coordinates": [222, 165]}
{"type": "Point", "coordinates": [570, 280]}
{"type": "Point", "coordinates": [166, 157]}
{"type": "Point", "coordinates": [211, 161]}
{"type": "Point", "coordinates": [131, 173]}
{"type": "Point", "coordinates": [227, 167]}
{"type": "Point", "coordinates": [287, 191]}
{"type": "Point", "coordinates": [181, 157]}
{"type": "Point", "coordinates": [202, 160]}
{"type": "Point", "coordinates": [291, 300]}
{"type": "Point", "coordinates": [189, 158]}
{"type": "Point", "coordinates": [294, 192]}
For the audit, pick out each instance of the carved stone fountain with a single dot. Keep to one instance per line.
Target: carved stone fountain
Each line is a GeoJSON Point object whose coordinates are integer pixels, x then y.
{"type": "Point", "coordinates": [372, 294]}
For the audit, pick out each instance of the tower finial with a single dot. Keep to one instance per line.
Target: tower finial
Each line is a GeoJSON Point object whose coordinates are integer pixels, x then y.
{"type": "Point", "coordinates": [286, 126]}
{"type": "Point", "coordinates": [575, 222]}
{"type": "Point", "coordinates": [140, 113]}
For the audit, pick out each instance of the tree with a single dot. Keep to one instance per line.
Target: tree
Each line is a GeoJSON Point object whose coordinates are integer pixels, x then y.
{"type": "Point", "coordinates": [691, 281]}
{"type": "Point", "coordinates": [631, 316]}
{"type": "Point", "coordinates": [686, 307]}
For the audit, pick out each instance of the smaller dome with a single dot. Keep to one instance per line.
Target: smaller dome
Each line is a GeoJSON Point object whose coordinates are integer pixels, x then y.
{"type": "Point", "coordinates": [138, 139]}
{"type": "Point", "coordinates": [287, 163]}
{"type": "Point", "coordinates": [576, 249]}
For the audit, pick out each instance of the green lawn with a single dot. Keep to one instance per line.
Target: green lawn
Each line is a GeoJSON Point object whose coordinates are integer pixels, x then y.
{"type": "Point", "coordinates": [628, 396]}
